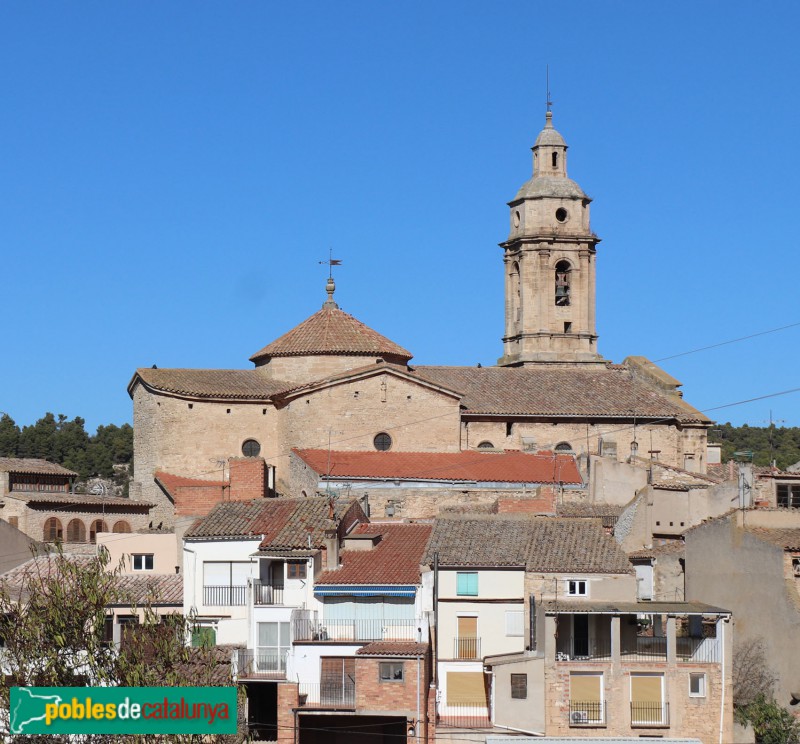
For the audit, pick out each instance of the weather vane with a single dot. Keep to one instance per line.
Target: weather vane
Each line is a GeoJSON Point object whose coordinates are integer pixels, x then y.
{"type": "Point", "coordinates": [548, 102]}
{"type": "Point", "coordinates": [331, 263]}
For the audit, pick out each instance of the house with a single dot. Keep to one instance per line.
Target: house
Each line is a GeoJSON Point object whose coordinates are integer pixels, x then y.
{"type": "Point", "coordinates": [749, 560]}
{"type": "Point", "coordinates": [420, 484]}
{"type": "Point", "coordinates": [36, 496]}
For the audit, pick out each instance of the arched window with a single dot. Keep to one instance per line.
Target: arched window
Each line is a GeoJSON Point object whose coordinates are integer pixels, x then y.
{"type": "Point", "coordinates": [555, 160]}
{"type": "Point", "coordinates": [121, 526]}
{"type": "Point", "coordinates": [516, 296]}
{"type": "Point", "coordinates": [382, 442]}
{"type": "Point", "coordinates": [53, 530]}
{"type": "Point", "coordinates": [97, 526]}
{"type": "Point", "coordinates": [485, 445]}
{"type": "Point", "coordinates": [563, 270]}
{"type": "Point", "coordinates": [76, 531]}
{"type": "Point", "coordinates": [564, 448]}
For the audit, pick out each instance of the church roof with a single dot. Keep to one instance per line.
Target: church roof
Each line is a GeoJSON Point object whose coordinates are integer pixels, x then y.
{"type": "Point", "coordinates": [228, 384]}
{"type": "Point", "coordinates": [595, 391]}
{"type": "Point", "coordinates": [564, 188]}
{"type": "Point", "coordinates": [332, 331]}
{"type": "Point", "coordinates": [467, 465]}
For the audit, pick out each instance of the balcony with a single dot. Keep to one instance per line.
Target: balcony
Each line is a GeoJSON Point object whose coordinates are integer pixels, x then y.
{"type": "Point", "coordinates": [699, 650]}
{"type": "Point", "coordinates": [595, 650]}
{"type": "Point", "coordinates": [463, 715]}
{"type": "Point", "coordinates": [467, 648]}
{"type": "Point", "coordinates": [650, 714]}
{"type": "Point", "coordinates": [267, 593]}
{"type": "Point", "coordinates": [307, 630]}
{"type": "Point", "coordinates": [327, 695]}
{"type": "Point", "coordinates": [644, 648]}
{"type": "Point", "coordinates": [224, 596]}
{"type": "Point", "coordinates": [254, 665]}
{"type": "Point", "coordinates": [587, 713]}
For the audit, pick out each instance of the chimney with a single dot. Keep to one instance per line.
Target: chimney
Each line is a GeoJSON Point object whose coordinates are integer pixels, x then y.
{"type": "Point", "coordinates": [331, 549]}
{"type": "Point", "coordinates": [248, 477]}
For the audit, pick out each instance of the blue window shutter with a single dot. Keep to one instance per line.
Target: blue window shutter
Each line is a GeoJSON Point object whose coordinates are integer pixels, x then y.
{"type": "Point", "coordinates": [467, 584]}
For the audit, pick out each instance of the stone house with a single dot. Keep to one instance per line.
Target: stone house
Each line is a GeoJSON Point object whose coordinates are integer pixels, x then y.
{"type": "Point", "coordinates": [749, 560]}
{"type": "Point", "coordinates": [421, 484]}
{"type": "Point", "coordinates": [332, 382]}
{"type": "Point", "coordinates": [36, 496]}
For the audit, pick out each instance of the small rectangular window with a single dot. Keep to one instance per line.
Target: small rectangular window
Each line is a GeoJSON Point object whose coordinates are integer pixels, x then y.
{"type": "Point", "coordinates": [519, 686]}
{"type": "Point", "coordinates": [697, 684]}
{"type": "Point", "coordinates": [467, 584]}
{"type": "Point", "coordinates": [391, 671]}
{"type": "Point", "coordinates": [515, 623]}
{"type": "Point", "coordinates": [142, 561]}
{"type": "Point", "coordinates": [296, 570]}
{"type": "Point", "coordinates": [577, 587]}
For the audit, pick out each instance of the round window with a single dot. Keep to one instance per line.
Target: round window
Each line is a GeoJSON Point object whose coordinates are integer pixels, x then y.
{"type": "Point", "coordinates": [382, 442]}
{"type": "Point", "coordinates": [485, 445]}
{"type": "Point", "coordinates": [563, 447]}
{"type": "Point", "coordinates": [561, 214]}
{"type": "Point", "coordinates": [251, 448]}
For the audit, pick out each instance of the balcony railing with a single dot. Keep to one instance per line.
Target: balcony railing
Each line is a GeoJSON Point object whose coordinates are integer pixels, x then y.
{"type": "Point", "coordinates": [587, 713]}
{"type": "Point", "coordinates": [649, 714]}
{"type": "Point", "coordinates": [596, 650]}
{"type": "Point", "coordinates": [463, 715]}
{"type": "Point", "coordinates": [255, 665]}
{"type": "Point", "coordinates": [699, 650]}
{"type": "Point", "coordinates": [645, 648]}
{"type": "Point", "coordinates": [355, 631]}
{"type": "Point", "coordinates": [466, 648]}
{"type": "Point", "coordinates": [224, 596]}
{"type": "Point", "coordinates": [267, 593]}
{"type": "Point", "coordinates": [327, 694]}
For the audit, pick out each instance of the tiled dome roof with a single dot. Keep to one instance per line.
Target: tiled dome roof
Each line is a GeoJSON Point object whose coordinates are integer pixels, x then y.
{"type": "Point", "coordinates": [332, 331]}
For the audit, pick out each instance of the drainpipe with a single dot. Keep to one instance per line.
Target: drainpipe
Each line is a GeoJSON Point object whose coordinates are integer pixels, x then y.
{"type": "Point", "coordinates": [419, 721]}
{"type": "Point", "coordinates": [194, 573]}
{"type": "Point", "coordinates": [722, 696]}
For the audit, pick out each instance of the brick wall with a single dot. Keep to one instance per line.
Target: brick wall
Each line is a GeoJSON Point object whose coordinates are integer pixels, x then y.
{"type": "Point", "coordinates": [197, 501]}
{"type": "Point", "coordinates": [287, 701]}
{"type": "Point", "coordinates": [375, 695]}
{"type": "Point", "coordinates": [541, 501]}
{"type": "Point", "coordinates": [248, 478]}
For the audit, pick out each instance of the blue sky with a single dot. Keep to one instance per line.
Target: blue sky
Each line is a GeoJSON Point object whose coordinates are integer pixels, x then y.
{"type": "Point", "coordinates": [171, 174]}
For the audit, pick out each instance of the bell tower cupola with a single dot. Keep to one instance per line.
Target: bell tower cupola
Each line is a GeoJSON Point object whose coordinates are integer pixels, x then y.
{"type": "Point", "coordinates": [550, 265]}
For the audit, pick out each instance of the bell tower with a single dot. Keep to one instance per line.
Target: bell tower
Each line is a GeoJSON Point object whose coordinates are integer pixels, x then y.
{"type": "Point", "coordinates": [550, 265]}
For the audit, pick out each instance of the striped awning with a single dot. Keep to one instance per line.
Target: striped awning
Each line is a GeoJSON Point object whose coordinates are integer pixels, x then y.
{"type": "Point", "coordinates": [345, 590]}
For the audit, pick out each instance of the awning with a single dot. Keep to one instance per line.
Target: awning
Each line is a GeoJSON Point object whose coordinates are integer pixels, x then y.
{"type": "Point", "coordinates": [344, 590]}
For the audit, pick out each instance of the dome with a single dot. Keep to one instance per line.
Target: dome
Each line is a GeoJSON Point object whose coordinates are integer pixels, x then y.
{"type": "Point", "coordinates": [549, 137]}
{"type": "Point", "coordinates": [564, 188]}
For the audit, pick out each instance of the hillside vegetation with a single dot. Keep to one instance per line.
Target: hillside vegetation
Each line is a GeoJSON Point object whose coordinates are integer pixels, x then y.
{"type": "Point", "coordinates": [781, 444]}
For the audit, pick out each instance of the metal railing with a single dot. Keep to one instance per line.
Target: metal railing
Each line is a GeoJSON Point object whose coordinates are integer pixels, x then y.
{"type": "Point", "coordinates": [699, 650]}
{"type": "Point", "coordinates": [597, 650]}
{"type": "Point", "coordinates": [463, 715]}
{"type": "Point", "coordinates": [267, 593]}
{"type": "Point", "coordinates": [587, 713]}
{"type": "Point", "coordinates": [327, 694]}
{"type": "Point", "coordinates": [649, 714]}
{"type": "Point", "coordinates": [309, 629]}
{"type": "Point", "coordinates": [466, 648]}
{"type": "Point", "coordinates": [645, 648]}
{"type": "Point", "coordinates": [254, 665]}
{"type": "Point", "coordinates": [224, 596]}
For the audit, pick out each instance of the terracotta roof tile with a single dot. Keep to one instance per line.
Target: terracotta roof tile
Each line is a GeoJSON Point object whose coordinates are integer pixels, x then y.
{"type": "Point", "coordinates": [394, 560]}
{"type": "Point", "coordinates": [78, 499]}
{"type": "Point", "coordinates": [33, 466]}
{"type": "Point", "coordinates": [332, 331]}
{"type": "Point", "coordinates": [285, 524]}
{"type": "Point", "coordinates": [598, 390]}
{"type": "Point", "coordinates": [171, 482]}
{"type": "Point", "coordinates": [159, 589]}
{"type": "Point", "coordinates": [784, 538]}
{"type": "Point", "coordinates": [389, 648]}
{"type": "Point", "coordinates": [541, 544]}
{"type": "Point", "coordinates": [594, 509]}
{"type": "Point", "coordinates": [468, 465]}
{"type": "Point", "coordinates": [225, 384]}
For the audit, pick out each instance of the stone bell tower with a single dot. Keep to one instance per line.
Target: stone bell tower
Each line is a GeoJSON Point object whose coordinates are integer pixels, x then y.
{"type": "Point", "coordinates": [550, 265]}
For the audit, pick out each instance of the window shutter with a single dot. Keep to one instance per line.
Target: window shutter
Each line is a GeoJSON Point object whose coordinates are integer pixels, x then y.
{"type": "Point", "coordinates": [519, 686]}
{"type": "Point", "coordinates": [466, 688]}
{"type": "Point", "coordinates": [515, 623]}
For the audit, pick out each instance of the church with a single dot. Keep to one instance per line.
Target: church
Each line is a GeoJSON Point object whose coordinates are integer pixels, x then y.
{"type": "Point", "coordinates": [332, 383]}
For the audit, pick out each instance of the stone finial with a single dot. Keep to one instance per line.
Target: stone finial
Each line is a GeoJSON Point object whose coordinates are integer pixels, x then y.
{"type": "Point", "coordinates": [330, 288]}
{"type": "Point", "coordinates": [548, 120]}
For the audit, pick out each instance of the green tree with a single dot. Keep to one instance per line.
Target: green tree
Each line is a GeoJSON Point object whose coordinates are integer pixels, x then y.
{"type": "Point", "coordinates": [9, 436]}
{"type": "Point", "coordinates": [771, 723]}
{"type": "Point", "coordinates": [52, 624]}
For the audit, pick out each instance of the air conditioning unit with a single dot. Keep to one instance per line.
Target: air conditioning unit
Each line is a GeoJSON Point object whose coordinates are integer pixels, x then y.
{"type": "Point", "coordinates": [579, 716]}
